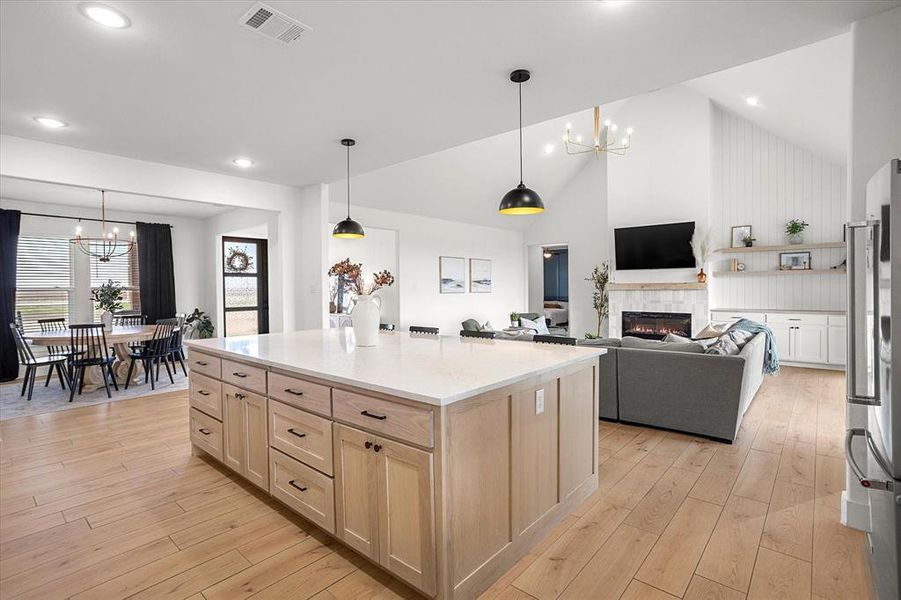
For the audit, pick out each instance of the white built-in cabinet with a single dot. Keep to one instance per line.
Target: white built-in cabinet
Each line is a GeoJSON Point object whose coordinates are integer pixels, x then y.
{"type": "Point", "coordinates": [802, 337]}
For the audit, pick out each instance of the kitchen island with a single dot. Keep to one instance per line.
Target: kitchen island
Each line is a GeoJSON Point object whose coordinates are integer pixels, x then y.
{"type": "Point", "coordinates": [441, 459]}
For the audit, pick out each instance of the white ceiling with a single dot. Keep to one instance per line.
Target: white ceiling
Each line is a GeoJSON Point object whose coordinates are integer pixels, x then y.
{"type": "Point", "coordinates": [186, 85]}
{"type": "Point", "coordinates": [53, 193]}
{"type": "Point", "coordinates": [804, 94]}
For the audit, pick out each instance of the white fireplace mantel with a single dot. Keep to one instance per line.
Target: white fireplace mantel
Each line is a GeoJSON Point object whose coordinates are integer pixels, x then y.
{"type": "Point", "coordinates": [686, 297]}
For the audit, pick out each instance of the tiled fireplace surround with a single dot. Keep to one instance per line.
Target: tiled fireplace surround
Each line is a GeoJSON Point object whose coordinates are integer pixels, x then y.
{"type": "Point", "coordinates": [658, 297]}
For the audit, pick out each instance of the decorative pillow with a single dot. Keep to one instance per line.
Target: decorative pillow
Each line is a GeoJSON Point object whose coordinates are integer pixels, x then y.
{"type": "Point", "coordinates": [672, 337]}
{"type": "Point", "coordinates": [724, 346]}
{"type": "Point", "coordinates": [643, 344]}
{"type": "Point", "coordinates": [713, 330]}
{"type": "Point", "coordinates": [486, 327]}
{"type": "Point", "coordinates": [539, 326]}
{"type": "Point", "coordinates": [740, 337]}
{"type": "Point", "coordinates": [470, 325]}
{"type": "Point", "coordinates": [552, 305]}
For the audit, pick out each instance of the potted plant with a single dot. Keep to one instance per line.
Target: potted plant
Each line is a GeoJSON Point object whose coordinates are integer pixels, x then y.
{"type": "Point", "coordinates": [108, 298]}
{"type": "Point", "coordinates": [794, 229]}
{"type": "Point", "coordinates": [749, 241]}
{"type": "Point", "coordinates": [200, 325]}
{"type": "Point", "coordinates": [514, 319]}
{"type": "Point", "coordinates": [599, 278]}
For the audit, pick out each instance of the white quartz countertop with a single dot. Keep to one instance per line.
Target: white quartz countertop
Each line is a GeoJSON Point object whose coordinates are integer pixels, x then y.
{"type": "Point", "coordinates": [437, 370]}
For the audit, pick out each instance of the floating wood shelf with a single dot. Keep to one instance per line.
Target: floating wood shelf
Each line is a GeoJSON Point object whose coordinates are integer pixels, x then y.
{"type": "Point", "coordinates": [779, 272]}
{"type": "Point", "coordinates": [784, 248]}
{"type": "Point", "coordinates": [689, 285]}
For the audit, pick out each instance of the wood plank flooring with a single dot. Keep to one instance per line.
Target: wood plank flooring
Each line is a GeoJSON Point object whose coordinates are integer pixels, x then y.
{"type": "Point", "coordinates": [107, 502]}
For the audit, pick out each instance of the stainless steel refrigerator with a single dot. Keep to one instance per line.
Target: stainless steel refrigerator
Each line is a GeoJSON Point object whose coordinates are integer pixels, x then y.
{"type": "Point", "coordinates": [874, 268]}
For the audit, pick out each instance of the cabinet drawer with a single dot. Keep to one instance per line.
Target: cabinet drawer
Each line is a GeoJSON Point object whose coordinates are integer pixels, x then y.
{"type": "Point", "coordinates": [300, 393]}
{"type": "Point", "coordinates": [303, 489]}
{"type": "Point", "coordinates": [245, 376]}
{"type": "Point", "coordinates": [730, 317]}
{"type": "Point", "coordinates": [796, 318]}
{"type": "Point", "coordinates": [206, 395]}
{"type": "Point", "coordinates": [301, 435]}
{"type": "Point", "coordinates": [206, 433]}
{"type": "Point", "coordinates": [205, 364]}
{"type": "Point", "coordinates": [381, 416]}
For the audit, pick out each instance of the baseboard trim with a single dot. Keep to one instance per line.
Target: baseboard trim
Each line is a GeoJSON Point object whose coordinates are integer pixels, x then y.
{"type": "Point", "coordinates": [855, 514]}
{"type": "Point", "coordinates": [829, 367]}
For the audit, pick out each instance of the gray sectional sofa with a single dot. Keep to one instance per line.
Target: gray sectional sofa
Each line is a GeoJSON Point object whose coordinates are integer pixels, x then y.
{"type": "Point", "coordinates": [695, 393]}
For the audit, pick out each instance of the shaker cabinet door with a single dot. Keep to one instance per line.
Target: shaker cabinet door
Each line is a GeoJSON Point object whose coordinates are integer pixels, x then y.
{"type": "Point", "coordinates": [782, 335]}
{"type": "Point", "coordinates": [356, 490]}
{"type": "Point", "coordinates": [810, 344]}
{"type": "Point", "coordinates": [256, 441]}
{"type": "Point", "coordinates": [233, 429]}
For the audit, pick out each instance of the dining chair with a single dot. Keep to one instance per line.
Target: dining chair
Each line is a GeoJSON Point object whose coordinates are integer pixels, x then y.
{"type": "Point", "coordinates": [57, 324]}
{"type": "Point", "coordinates": [177, 351]}
{"type": "Point", "coordinates": [554, 339]}
{"type": "Point", "coordinates": [154, 351]}
{"type": "Point", "coordinates": [126, 319]}
{"type": "Point", "coordinates": [488, 335]}
{"type": "Point", "coordinates": [88, 343]}
{"type": "Point", "coordinates": [31, 363]}
{"type": "Point", "coordinates": [421, 329]}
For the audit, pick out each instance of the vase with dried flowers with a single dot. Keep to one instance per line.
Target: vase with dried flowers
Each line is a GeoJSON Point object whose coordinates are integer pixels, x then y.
{"type": "Point", "coordinates": [701, 248]}
{"type": "Point", "coordinates": [345, 272]}
{"type": "Point", "coordinates": [367, 307]}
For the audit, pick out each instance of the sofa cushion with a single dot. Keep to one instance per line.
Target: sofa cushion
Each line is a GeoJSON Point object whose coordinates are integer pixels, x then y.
{"type": "Point", "coordinates": [539, 326]}
{"type": "Point", "coordinates": [673, 337]}
{"type": "Point", "coordinates": [712, 330]}
{"type": "Point", "coordinates": [601, 342]}
{"type": "Point", "coordinates": [724, 346]}
{"type": "Point", "coordinates": [643, 344]}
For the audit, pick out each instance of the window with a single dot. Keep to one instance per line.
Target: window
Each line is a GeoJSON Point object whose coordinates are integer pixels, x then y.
{"type": "Point", "coordinates": [122, 269]}
{"type": "Point", "coordinates": [43, 279]}
{"type": "Point", "coordinates": [245, 286]}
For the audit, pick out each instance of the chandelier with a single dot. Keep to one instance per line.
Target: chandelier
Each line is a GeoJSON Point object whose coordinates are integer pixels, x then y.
{"type": "Point", "coordinates": [108, 245]}
{"type": "Point", "coordinates": [605, 139]}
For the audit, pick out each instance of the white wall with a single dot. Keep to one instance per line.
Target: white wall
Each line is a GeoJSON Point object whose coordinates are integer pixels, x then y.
{"type": "Point", "coordinates": [376, 252]}
{"type": "Point", "coordinates": [665, 175]}
{"type": "Point", "coordinates": [421, 240]}
{"type": "Point", "coordinates": [187, 245]}
{"type": "Point", "coordinates": [762, 180]}
{"type": "Point", "coordinates": [535, 273]}
{"type": "Point", "coordinates": [577, 217]}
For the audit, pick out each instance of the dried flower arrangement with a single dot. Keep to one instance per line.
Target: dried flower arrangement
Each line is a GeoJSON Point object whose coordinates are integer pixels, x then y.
{"type": "Point", "coordinates": [351, 275]}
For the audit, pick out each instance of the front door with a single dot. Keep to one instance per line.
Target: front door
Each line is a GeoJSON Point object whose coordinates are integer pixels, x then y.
{"type": "Point", "coordinates": [245, 286]}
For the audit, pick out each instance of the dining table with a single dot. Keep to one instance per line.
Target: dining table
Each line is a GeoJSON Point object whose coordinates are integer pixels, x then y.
{"type": "Point", "coordinates": [119, 337]}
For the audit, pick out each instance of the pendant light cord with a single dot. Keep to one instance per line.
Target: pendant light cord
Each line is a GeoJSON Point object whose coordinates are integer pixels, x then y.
{"type": "Point", "coordinates": [348, 182]}
{"type": "Point", "coordinates": [520, 133]}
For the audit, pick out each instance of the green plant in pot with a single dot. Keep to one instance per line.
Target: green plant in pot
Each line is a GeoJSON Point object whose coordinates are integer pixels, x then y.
{"type": "Point", "coordinates": [599, 278]}
{"type": "Point", "coordinates": [749, 241]}
{"type": "Point", "coordinates": [199, 325]}
{"type": "Point", "coordinates": [794, 229]}
{"type": "Point", "coordinates": [108, 297]}
{"type": "Point", "coordinates": [514, 319]}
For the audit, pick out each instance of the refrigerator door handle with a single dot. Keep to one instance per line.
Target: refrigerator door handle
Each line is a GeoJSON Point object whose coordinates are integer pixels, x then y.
{"type": "Point", "coordinates": [874, 484]}
{"type": "Point", "coordinates": [851, 377]}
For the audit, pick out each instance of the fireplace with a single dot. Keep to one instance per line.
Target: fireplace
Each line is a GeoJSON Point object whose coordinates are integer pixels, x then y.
{"type": "Point", "coordinates": [655, 325]}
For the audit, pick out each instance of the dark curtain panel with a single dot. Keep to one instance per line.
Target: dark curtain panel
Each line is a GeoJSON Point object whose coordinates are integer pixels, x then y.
{"type": "Point", "coordinates": [156, 270]}
{"type": "Point", "coordinates": [9, 241]}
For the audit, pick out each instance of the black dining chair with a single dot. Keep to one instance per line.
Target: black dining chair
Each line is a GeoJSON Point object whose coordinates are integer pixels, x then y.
{"type": "Point", "coordinates": [51, 326]}
{"type": "Point", "coordinates": [421, 329]}
{"type": "Point", "coordinates": [127, 319]}
{"type": "Point", "coordinates": [554, 339]}
{"type": "Point", "coordinates": [488, 335]}
{"type": "Point", "coordinates": [154, 351]}
{"type": "Point", "coordinates": [31, 363]}
{"type": "Point", "coordinates": [88, 343]}
{"type": "Point", "coordinates": [177, 351]}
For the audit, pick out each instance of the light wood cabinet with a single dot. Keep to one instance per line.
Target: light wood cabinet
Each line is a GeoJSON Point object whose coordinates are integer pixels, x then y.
{"type": "Point", "coordinates": [246, 443]}
{"type": "Point", "coordinates": [384, 492]}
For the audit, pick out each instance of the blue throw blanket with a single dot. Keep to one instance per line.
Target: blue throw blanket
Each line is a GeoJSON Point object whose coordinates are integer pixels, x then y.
{"type": "Point", "coordinates": [770, 354]}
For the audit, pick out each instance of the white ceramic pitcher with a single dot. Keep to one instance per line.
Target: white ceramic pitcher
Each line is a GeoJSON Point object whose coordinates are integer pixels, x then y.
{"type": "Point", "coordinates": [366, 315]}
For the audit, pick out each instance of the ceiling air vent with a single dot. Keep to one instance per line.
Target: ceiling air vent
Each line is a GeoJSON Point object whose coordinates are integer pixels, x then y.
{"type": "Point", "coordinates": [273, 24]}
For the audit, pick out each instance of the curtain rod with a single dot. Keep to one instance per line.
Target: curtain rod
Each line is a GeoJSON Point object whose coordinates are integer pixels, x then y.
{"type": "Point", "coordinates": [31, 214]}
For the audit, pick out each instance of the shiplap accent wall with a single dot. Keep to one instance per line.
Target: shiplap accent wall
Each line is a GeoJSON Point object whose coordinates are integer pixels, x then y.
{"type": "Point", "coordinates": [761, 180]}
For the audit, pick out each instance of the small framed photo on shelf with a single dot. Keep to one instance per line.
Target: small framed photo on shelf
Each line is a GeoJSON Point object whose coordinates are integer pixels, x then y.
{"type": "Point", "coordinates": [794, 261]}
{"type": "Point", "coordinates": [740, 233]}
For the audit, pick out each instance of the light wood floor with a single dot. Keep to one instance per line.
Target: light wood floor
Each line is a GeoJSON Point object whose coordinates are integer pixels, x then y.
{"type": "Point", "coordinates": [107, 502]}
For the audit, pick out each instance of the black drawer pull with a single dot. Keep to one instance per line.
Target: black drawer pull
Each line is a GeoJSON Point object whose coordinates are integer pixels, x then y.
{"type": "Point", "coordinates": [367, 444]}
{"type": "Point", "coordinates": [377, 447]}
{"type": "Point", "coordinates": [203, 392]}
{"type": "Point", "coordinates": [204, 431]}
{"type": "Point", "coordinates": [293, 392]}
{"type": "Point", "coordinates": [299, 487]}
{"type": "Point", "coordinates": [366, 413]}
{"type": "Point", "coordinates": [239, 396]}
{"type": "Point", "coordinates": [201, 363]}
{"type": "Point", "coordinates": [297, 433]}
{"type": "Point", "coordinates": [239, 374]}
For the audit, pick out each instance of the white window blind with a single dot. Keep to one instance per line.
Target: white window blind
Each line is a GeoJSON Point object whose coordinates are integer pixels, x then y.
{"type": "Point", "coordinates": [43, 279]}
{"type": "Point", "coordinates": [121, 269]}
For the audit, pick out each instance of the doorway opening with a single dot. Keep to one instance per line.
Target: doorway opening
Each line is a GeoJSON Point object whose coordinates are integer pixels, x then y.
{"type": "Point", "coordinates": [549, 286]}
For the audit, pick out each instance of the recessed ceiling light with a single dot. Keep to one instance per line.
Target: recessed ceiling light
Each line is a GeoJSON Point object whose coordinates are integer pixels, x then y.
{"type": "Point", "coordinates": [106, 16]}
{"type": "Point", "coordinates": [243, 162]}
{"type": "Point", "coordinates": [753, 101]}
{"type": "Point", "coordinates": [50, 122]}
{"type": "Point", "coordinates": [548, 148]}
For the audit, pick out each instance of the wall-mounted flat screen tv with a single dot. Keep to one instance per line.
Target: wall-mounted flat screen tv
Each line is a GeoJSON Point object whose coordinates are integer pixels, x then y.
{"type": "Point", "coordinates": [666, 246]}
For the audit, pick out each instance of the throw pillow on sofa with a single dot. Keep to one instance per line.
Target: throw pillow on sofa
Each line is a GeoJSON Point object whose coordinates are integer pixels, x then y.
{"type": "Point", "coordinates": [539, 325]}
{"type": "Point", "coordinates": [724, 346]}
{"type": "Point", "coordinates": [712, 330]}
{"type": "Point", "coordinates": [643, 344]}
{"type": "Point", "coordinates": [673, 337]}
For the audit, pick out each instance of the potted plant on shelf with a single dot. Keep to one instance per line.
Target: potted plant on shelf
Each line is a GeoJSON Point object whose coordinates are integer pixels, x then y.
{"type": "Point", "coordinates": [749, 241]}
{"type": "Point", "coordinates": [514, 319]}
{"type": "Point", "coordinates": [108, 298]}
{"type": "Point", "coordinates": [794, 229]}
{"type": "Point", "coordinates": [701, 248]}
{"type": "Point", "coordinates": [599, 278]}
{"type": "Point", "coordinates": [199, 324]}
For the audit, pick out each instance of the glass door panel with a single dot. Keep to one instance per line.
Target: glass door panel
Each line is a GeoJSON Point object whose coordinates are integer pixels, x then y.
{"type": "Point", "coordinates": [245, 286]}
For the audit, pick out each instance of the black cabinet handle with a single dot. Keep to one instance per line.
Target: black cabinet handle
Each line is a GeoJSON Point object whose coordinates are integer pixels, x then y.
{"type": "Point", "coordinates": [366, 413]}
{"type": "Point", "coordinates": [293, 392]}
{"type": "Point", "coordinates": [239, 374]}
{"type": "Point", "coordinates": [201, 363]}
{"type": "Point", "coordinates": [203, 392]}
{"type": "Point", "coordinates": [240, 396]}
{"type": "Point", "coordinates": [367, 444]}
{"type": "Point", "coordinates": [297, 433]}
{"type": "Point", "coordinates": [299, 487]}
{"type": "Point", "coordinates": [204, 431]}
{"type": "Point", "coordinates": [377, 447]}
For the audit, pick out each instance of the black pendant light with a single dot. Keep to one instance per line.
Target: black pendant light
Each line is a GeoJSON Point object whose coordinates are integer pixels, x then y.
{"type": "Point", "coordinates": [520, 200]}
{"type": "Point", "coordinates": [348, 228]}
